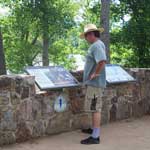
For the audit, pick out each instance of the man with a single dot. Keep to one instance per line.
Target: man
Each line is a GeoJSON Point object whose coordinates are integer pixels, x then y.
{"type": "Point", "coordinates": [94, 79]}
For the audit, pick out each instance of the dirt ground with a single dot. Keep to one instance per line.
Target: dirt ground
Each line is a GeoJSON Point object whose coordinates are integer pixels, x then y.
{"type": "Point", "coordinates": [125, 135]}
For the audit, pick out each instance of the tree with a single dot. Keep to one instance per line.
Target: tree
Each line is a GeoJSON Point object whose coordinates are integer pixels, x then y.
{"type": "Point", "coordinates": [32, 27]}
{"type": "Point", "coordinates": [20, 43]}
{"type": "Point", "coordinates": [134, 33]}
{"type": "Point", "coordinates": [2, 56]}
{"type": "Point", "coordinates": [137, 30]}
{"type": "Point", "coordinates": [54, 18]}
{"type": "Point", "coordinates": [64, 51]}
{"type": "Point", "coordinates": [105, 9]}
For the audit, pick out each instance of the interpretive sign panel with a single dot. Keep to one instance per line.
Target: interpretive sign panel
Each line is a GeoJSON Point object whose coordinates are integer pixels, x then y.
{"type": "Point", "coordinates": [52, 77]}
{"type": "Point", "coordinates": [116, 74]}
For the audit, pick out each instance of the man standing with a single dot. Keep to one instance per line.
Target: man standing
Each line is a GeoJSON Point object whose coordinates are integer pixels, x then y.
{"type": "Point", "coordinates": [94, 79]}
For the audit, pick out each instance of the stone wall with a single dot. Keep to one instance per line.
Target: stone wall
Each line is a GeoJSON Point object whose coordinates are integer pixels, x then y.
{"type": "Point", "coordinates": [26, 114]}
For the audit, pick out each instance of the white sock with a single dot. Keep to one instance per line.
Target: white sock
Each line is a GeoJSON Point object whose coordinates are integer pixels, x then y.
{"type": "Point", "coordinates": [96, 132]}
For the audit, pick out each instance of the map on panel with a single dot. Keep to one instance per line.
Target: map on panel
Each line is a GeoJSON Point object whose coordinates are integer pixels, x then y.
{"type": "Point", "coordinates": [52, 77]}
{"type": "Point", "coordinates": [116, 74]}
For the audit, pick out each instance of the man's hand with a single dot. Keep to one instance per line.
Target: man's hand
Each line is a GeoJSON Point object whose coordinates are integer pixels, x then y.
{"type": "Point", "coordinates": [80, 71]}
{"type": "Point", "coordinates": [93, 76]}
{"type": "Point", "coordinates": [99, 67]}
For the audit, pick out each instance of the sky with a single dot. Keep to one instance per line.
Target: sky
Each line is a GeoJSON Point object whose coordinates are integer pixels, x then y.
{"type": "Point", "coordinates": [3, 11]}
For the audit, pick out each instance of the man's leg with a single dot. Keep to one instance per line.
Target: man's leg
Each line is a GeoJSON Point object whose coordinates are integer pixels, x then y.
{"type": "Point", "coordinates": [94, 138]}
{"type": "Point", "coordinates": [96, 120]}
{"type": "Point", "coordinates": [93, 104]}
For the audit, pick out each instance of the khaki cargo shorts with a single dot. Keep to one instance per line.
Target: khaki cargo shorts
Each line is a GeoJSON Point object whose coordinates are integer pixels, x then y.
{"type": "Point", "coordinates": [93, 99]}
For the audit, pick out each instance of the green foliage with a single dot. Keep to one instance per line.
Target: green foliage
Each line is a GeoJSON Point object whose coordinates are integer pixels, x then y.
{"type": "Point", "coordinates": [31, 21]}
{"type": "Point", "coordinates": [64, 50]}
{"type": "Point", "coordinates": [21, 48]}
{"type": "Point", "coordinates": [140, 34]}
{"type": "Point", "coordinates": [122, 52]}
{"type": "Point", "coordinates": [136, 31]}
{"type": "Point", "coordinates": [123, 55]}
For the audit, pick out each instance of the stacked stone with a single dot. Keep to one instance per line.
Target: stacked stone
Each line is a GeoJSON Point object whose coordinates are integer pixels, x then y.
{"type": "Point", "coordinates": [15, 93]}
{"type": "Point", "coordinates": [124, 100]}
{"type": "Point", "coordinates": [142, 77]}
{"type": "Point", "coordinates": [25, 114]}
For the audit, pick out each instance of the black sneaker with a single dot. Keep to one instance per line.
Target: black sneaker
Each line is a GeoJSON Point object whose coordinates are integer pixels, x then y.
{"type": "Point", "coordinates": [90, 140]}
{"type": "Point", "coordinates": [88, 131]}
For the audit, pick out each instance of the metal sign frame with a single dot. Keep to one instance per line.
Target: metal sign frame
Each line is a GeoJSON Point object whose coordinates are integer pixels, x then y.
{"type": "Point", "coordinates": [119, 70]}
{"type": "Point", "coordinates": [49, 84]}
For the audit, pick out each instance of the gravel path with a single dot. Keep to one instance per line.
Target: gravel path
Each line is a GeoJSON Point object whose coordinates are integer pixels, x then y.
{"type": "Point", "coordinates": [125, 135]}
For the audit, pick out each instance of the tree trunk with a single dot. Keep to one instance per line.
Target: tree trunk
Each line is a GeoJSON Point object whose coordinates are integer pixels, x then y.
{"type": "Point", "coordinates": [105, 36]}
{"type": "Point", "coordinates": [2, 56]}
{"type": "Point", "coordinates": [45, 29]}
{"type": "Point", "coordinates": [45, 56]}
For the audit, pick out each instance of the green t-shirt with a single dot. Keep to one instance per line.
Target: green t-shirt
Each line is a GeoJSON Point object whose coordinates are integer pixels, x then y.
{"type": "Point", "coordinates": [96, 53]}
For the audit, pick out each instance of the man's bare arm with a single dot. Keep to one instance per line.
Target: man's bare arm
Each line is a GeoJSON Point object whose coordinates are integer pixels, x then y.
{"type": "Point", "coordinates": [98, 70]}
